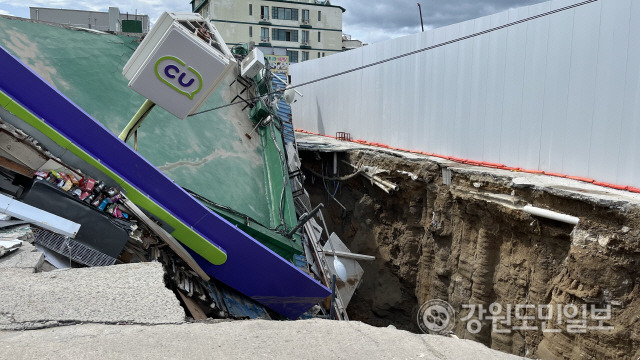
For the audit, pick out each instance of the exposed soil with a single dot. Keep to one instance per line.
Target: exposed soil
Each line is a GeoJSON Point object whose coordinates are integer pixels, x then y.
{"type": "Point", "coordinates": [436, 241]}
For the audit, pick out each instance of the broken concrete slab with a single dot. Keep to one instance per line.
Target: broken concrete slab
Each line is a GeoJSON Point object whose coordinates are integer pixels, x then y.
{"type": "Point", "coordinates": [21, 232]}
{"type": "Point", "coordinates": [556, 186]}
{"type": "Point", "coordinates": [26, 257]}
{"type": "Point", "coordinates": [130, 293]}
{"type": "Point", "coordinates": [250, 339]}
{"type": "Point", "coordinates": [53, 259]}
{"type": "Point", "coordinates": [7, 246]}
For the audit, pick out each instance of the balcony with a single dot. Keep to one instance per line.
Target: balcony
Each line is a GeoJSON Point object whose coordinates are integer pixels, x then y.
{"type": "Point", "coordinates": [264, 41]}
{"type": "Point", "coordinates": [304, 23]}
{"type": "Point", "coordinates": [264, 20]}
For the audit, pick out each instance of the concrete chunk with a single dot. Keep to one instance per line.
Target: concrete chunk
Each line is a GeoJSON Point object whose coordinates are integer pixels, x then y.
{"type": "Point", "coordinates": [131, 293]}
{"type": "Point", "coordinates": [25, 257]}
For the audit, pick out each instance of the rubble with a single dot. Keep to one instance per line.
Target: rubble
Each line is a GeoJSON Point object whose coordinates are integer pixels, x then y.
{"type": "Point", "coordinates": [8, 246]}
{"type": "Point", "coordinates": [25, 256]}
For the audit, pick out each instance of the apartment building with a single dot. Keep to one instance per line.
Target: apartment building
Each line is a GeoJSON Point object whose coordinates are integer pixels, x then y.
{"type": "Point", "coordinates": [302, 30]}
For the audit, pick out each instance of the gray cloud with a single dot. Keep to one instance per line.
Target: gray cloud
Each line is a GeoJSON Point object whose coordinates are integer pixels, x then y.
{"type": "Point", "coordinates": [367, 20]}
{"type": "Point", "coordinates": [373, 21]}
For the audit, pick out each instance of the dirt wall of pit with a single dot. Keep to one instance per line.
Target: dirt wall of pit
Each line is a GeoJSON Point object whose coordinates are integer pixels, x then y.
{"type": "Point", "coordinates": [437, 241]}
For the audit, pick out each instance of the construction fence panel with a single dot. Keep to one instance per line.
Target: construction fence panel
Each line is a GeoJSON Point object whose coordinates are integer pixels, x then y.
{"type": "Point", "coordinates": [558, 93]}
{"type": "Point", "coordinates": [629, 156]}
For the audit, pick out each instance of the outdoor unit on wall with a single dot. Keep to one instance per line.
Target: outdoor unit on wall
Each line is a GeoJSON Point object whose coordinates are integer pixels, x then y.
{"type": "Point", "coordinates": [252, 64]}
{"type": "Point", "coordinates": [179, 64]}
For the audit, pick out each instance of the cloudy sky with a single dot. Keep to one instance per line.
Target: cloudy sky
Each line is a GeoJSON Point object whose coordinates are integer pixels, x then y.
{"type": "Point", "coordinates": [368, 20]}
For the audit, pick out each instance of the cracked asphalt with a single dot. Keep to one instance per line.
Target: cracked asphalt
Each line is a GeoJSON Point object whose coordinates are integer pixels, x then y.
{"type": "Point", "coordinates": [248, 339]}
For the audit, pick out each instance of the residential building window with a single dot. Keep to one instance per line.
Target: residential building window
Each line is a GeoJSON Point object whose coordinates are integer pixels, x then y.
{"type": "Point", "coordinates": [204, 11]}
{"type": "Point", "coordinates": [250, 31]}
{"type": "Point", "coordinates": [318, 54]}
{"type": "Point", "coordinates": [319, 15]}
{"type": "Point", "coordinates": [323, 54]}
{"type": "Point", "coordinates": [264, 12]}
{"type": "Point", "coordinates": [293, 56]}
{"type": "Point", "coordinates": [319, 36]}
{"type": "Point", "coordinates": [284, 35]}
{"type": "Point", "coordinates": [305, 36]}
{"type": "Point", "coordinates": [305, 16]}
{"type": "Point", "coordinates": [250, 9]}
{"type": "Point", "coordinates": [284, 13]}
{"type": "Point", "coordinates": [264, 35]}
{"type": "Point", "coordinates": [196, 4]}
{"type": "Point", "coordinates": [305, 55]}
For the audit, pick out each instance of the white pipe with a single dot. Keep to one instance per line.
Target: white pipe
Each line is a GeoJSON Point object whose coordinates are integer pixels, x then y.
{"type": "Point", "coordinates": [550, 214]}
{"type": "Point", "coordinates": [286, 84]}
{"type": "Point", "coordinates": [353, 256]}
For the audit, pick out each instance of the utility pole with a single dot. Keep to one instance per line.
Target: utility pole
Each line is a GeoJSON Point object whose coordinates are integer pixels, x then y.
{"type": "Point", "coordinates": [420, 11]}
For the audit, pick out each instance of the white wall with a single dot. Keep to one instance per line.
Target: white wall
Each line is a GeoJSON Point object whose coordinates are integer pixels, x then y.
{"type": "Point", "coordinates": [559, 93]}
{"type": "Point", "coordinates": [97, 20]}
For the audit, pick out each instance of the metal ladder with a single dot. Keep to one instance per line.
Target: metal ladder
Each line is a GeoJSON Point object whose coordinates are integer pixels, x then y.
{"type": "Point", "coordinates": [313, 232]}
{"type": "Point", "coordinates": [325, 270]}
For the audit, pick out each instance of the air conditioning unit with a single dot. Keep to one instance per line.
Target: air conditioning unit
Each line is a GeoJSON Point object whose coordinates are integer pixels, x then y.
{"type": "Point", "coordinates": [252, 64]}
{"type": "Point", "coordinates": [179, 63]}
{"type": "Point", "coordinates": [305, 21]}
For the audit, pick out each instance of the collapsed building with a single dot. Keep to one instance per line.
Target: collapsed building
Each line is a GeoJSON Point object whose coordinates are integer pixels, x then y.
{"type": "Point", "coordinates": [187, 196]}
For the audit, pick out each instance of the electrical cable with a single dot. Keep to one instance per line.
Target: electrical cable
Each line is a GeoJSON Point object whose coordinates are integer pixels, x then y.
{"type": "Point", "coordinates": [412, 52]}
{"type": "Point", "coordinates": [326, 187]}
{"type": "Point", "coordinates": [341, 178]}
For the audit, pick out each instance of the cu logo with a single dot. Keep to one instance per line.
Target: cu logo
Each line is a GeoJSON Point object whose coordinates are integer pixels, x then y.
{"type": "Point", "coordinates": [171, 71]}
{"type": "Point", "coordinates": [178, 76]}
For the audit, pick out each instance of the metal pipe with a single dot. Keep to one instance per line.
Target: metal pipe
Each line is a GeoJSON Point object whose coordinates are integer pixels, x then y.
{"type": "Point", "coordinates": [136, 120]}
{"type": "Point", "coordinates": [347, 255]}
{"type": "Point", "coordinates": [38, 217]}
{"type": "Point", "coordinates": [550, 214]}
{"type": "Point", "coordinates": [285, 84]}
{"type": "Point", "coordinates": [332, 314]}
{"type": "Point", "coordinates": [304, 218]}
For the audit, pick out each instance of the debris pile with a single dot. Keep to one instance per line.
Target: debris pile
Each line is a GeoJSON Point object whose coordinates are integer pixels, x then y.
{"type": "Point", "coordinates": [112, 230]}
{"type": "Point", "coordinates": [83, 194]}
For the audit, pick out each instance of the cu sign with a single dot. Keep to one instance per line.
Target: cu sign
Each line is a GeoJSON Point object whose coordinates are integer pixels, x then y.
{"type": "Point", "coordinates": [178, 76]}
